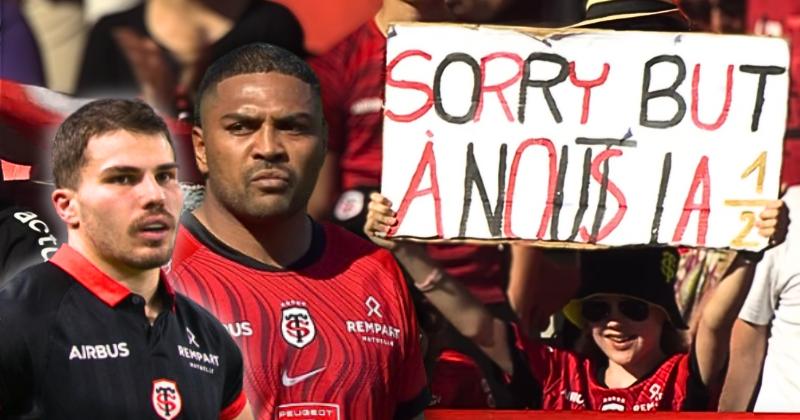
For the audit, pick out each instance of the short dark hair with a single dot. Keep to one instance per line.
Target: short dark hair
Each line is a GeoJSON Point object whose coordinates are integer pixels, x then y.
{"type": "Point", "coordinates": [254, 58]}
{"type": "Point", "coordinates": [93, 119]}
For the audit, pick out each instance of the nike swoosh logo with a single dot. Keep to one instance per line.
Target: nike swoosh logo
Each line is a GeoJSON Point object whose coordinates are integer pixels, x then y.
{"type": "Point", "coordinates": [289, 381]}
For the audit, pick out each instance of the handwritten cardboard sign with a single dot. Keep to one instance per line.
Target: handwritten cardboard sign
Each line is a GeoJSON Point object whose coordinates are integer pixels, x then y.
{"type": "Point", "coordinates": [608, 138]}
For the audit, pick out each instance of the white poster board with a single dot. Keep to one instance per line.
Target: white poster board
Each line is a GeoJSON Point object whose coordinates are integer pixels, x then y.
{"type": "Point", "coordinates": [595, 137]}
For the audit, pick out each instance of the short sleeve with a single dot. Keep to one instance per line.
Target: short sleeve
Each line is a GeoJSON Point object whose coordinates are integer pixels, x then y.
{"type": "Point", "coordinates": [761, 302]}
{"type": "Point", "coordinates": [412, 391]}
{"type": "Point", "coordinates": [233, 397]}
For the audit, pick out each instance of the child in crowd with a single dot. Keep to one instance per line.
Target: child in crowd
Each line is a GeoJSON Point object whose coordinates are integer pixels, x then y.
{"type": "Point", "coordinates": [632, 355]}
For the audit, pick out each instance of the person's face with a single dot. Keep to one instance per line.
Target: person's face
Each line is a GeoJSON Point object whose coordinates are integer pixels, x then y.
{"type": "Point", "coordinates": [627, 330]}
{"type": "Point", "coordinates": [261, 145]}
{"type": "Point", "coordinates": [125, 207]}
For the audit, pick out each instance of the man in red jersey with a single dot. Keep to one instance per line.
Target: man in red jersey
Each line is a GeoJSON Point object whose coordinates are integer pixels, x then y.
{"type": "Point", "coordinates": [323, 318]}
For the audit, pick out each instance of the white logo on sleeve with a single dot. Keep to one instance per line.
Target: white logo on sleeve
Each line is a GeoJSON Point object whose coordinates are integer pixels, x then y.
{"type": "Point", "coordinates": [289, 381]}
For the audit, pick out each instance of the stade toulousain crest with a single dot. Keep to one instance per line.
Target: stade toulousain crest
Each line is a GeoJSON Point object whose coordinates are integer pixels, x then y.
{"type": "Point", "coordinates": [166, 399]}
{"type": "Point", "coordinates": [297, 326]}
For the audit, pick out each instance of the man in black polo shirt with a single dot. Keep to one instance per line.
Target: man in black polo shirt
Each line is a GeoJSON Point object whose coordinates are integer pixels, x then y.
{"type": "Point", "coordinates": [97, 332]}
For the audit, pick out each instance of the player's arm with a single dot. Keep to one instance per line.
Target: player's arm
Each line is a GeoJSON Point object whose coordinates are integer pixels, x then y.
{"type": "Point", "coordinates": [748, 347]}
{"type": "Point", "coordinates": [532, 293]}
{"type": "Point", "coordinates": [712, 342]}
{"type": "Point", "coordinates": [749, 337]}
{"type": "Point", "coordinates": [468, 315]}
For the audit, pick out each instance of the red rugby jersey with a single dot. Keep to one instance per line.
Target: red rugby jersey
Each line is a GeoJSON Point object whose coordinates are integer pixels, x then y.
{"type": "Point", "coordinates": [458, 383]}
{"type": "Point", "coordinates": [334, 337]}
{"type": "Point", "coordinates": [351, 77]}
{"type": "Point", "coordinates": [570, 383]}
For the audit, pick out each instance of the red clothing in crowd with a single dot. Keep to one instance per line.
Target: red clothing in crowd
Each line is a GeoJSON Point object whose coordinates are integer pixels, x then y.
{"type": "Point", "coordinates": [571, 382]}
{"type": "Point", "coordinates": [458, 383]}
{"type": "Point", "coordinates": [352, 79]}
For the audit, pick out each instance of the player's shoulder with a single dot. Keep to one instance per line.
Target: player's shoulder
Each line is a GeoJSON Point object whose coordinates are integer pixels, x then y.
{"type": "Point", "coordinates": [350, 243]}
{"type": "Point", "coordinates": [187, 243]}
{"type": "Point", "coordinates": [37, 282]}
{"type": "Point", "coordinates": [36, 290]}
{"type": "Point", "coordinates": [358, 255]}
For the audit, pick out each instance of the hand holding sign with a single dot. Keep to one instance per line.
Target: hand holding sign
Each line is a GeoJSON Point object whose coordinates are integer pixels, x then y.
{"type": "Point", "coordinates": [380, 220]}
{"type": "Point", "coordinates": [773, 222]}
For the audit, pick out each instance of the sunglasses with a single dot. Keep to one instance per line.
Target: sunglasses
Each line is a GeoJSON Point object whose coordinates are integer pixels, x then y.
{"type": "Point", "coordinates": [594, 310]}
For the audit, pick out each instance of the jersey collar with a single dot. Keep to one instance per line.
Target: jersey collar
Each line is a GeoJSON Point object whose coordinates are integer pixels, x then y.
{"type": "Point", "coordinates": [108, 290]}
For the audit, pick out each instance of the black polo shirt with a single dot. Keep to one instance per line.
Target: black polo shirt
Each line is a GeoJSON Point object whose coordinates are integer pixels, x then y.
{"type": "Point", "coordinates": [76, 344]}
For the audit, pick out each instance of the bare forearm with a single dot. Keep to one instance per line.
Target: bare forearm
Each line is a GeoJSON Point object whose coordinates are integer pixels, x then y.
{"type": "Point", "coordinates": [748, 347]}
{"type": "Point", "coordinates": [723, 307]}
{"type": "Point", "coordinates": [716, 322]}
